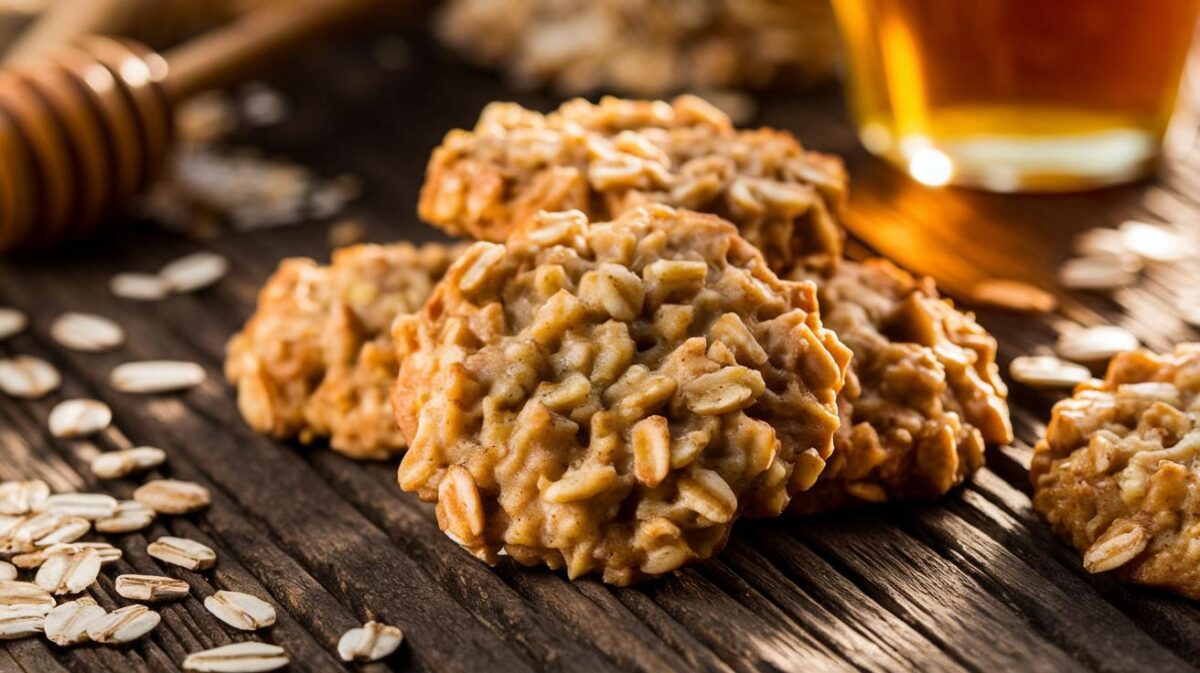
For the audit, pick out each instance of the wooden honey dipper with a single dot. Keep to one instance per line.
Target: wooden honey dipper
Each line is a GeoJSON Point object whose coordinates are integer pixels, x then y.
{"type": "Point", "coordinates": [86, 129]}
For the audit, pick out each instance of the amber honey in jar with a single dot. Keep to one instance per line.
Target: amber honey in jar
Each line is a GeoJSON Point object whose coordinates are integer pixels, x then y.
{"type": "Point", "coordinates": [1016, 95]}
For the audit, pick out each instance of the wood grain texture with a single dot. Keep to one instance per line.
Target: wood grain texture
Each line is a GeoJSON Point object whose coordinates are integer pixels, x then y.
{"type": "Point", "coordinates": [973, 583]}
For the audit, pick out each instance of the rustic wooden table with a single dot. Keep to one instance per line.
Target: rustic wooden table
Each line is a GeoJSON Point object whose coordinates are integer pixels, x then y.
{"type": "Point", "coordinates": [974, 582]}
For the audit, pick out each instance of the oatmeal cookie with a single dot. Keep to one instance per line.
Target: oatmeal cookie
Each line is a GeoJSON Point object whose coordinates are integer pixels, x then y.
{"type": "Point", "coordinates": [923, 394]}
{"type": "Point", "coordinates": [603, 159]}
{"type": "Point", "coordinates": [645, 47]}
{"type": "Point", "coordinates": [1117, 472]}
{"type": "Point", "coordinates": [609, 397]}
{"type": "Point", "coordinates": [316, 358]}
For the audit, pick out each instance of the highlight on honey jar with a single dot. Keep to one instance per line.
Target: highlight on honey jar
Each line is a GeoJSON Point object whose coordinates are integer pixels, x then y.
{"type": "Point", "coordinates": [1015, 95]}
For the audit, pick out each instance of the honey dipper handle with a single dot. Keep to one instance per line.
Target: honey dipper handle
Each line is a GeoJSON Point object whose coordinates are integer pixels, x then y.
{"type": "Point", "coordinates": [223, 56]}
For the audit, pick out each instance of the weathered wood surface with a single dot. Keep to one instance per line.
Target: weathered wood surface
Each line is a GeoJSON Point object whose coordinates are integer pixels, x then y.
{"type": "Point", "coordinates": [973, 583]}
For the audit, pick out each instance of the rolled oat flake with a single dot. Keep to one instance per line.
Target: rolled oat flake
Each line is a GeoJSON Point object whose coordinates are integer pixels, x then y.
{"type": "Point", "coordinates": [1101, 272]}
{"type": "Point", "coordinates": [88, 506]}
{"type": "Point", "coordinates": [19, 497]}
{"type": "Point", "coordinates": [117, 464]}
{"type": "Point", "coordinates": [67, 624]}
{"type": "Point", "coordinates": [138, 286]}
{"type": "Point", "coordinates": [1013, 295]}
{"type": "Point", "coordinates": [1094, 344]}
{"type": "Point", "coordinates": [106, 551]}
{"type": "Point", "coordinates": [151, 588]}
{"type": "Point", "coordinates": [123, 625]}
{"type": "Point", "coordinates": [8, 571]}
{"type": "Point", "coordinates": [156, 376]}
{"type": "Point", "coordinates": [64, 529]}
{"type": "Point", "coordinates": [12, 322]}
{"type": "Point", "coordinates": [182, 552]}
{"type": "Point", "coordinates": [20, 622]}
{"type": "Point", "coordinates": [247, 657]}
{"type": "Point", "coordinates": [28, 376]}
{"type": "Point", "coordinates": [70, 572]}
{"type": "Point", "coordinates": [86, 332]}
{"type": "Point", "coordinates": [241, 611]}
{"type": "Point", "coordinates": [79, 418]}
{"type": "Point", "coordinates": [24, 595]}
{"type": "Point", "coordinates": [172, 496]}
{"type": "Point", "coordinates": [372, 642]}
{"type": "Point", "coordinates": [1047, 371]}
{"type": "Point", "coordinates": [129, 516]}
{"type": "Point", "coordinates": [194, 272]}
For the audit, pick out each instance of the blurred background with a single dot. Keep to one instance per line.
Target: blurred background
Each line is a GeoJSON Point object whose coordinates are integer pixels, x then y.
{"type": "Point", "coordinates": [272, 113]}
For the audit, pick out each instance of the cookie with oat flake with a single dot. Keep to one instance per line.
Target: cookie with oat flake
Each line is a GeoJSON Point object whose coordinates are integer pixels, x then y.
{"type": "Point", "coordinates": [316, 359]}
{"type": "Point", "coordinates": [606, 158]}
{"type": "Point", "coordinates": [610, 397]}
{"type": "Point", "coordinates": [923, 396]}
{"type": "Point", "coordinates": [1117, 472]}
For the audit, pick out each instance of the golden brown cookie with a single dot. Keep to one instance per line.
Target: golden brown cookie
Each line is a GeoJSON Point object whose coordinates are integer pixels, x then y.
{"type": "Point", "coordinates": [1116, 474]}
{"type": "Point", "coordinates": [923, 395]}
{"type": "Point", "coordinates": [604, 159]}
{"type": "Point", "coordinates": [610, 397]}
{"type": "Point", "coordinates": [645, 47]}
{"type": "Point", "coordinates": [316, 358]}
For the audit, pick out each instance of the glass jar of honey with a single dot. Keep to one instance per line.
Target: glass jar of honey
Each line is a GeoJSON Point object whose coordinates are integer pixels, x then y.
{"type": "Point", "coordinates": [1016, 95]}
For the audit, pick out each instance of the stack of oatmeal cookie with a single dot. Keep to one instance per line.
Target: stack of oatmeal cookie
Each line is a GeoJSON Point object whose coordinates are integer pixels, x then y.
{"type": "Point", "coordinates": [655, 334]}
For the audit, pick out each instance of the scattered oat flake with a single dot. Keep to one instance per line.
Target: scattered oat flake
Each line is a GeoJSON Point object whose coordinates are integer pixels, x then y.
{"type": "Point", "coordinates": [157, 376]}
{"type": "Point", "coordinates": [20, 622]}
{"type": "Point", "coordinates": [86, 332]}
{"type": "Point", "coordinates": [1093, 344]}
{"type": "Point", "coordinates": [247, 657]}
{"type": "Point", "coordinates": [139, 286]}
{"type": "Point", "coordinates": [12, 322]}
{"type": "Point", "coordinates": [1100, 241]}
{"type": "Point", "coordinates": [172, 496]}
{"type": "Point", "coordinates": [372, 642]}
{"type": "Point", "coordinates": [28, 376]}
{"type": "Point", "coordinates": [130, 515]}
{"type": "Point", "coordinates": [182, 552]}
{"type": "Point", "coordinates": [83, 505]}
{"type": "Point", "coordinates": [124, 625]}
{"type": "Point", "coordinates": [1099, 272]}
{"type": "Point", "coordinates": [8, 571]}
{"type": "Point", "coordinates": [346, 232]}
{"type": "Point", "coordinates": [194, 272]}
{"type": "Point", "coordinates": [1047, 371]}
{"type": "Point", "coordinates": [79, 418]}
{"type": "Point", "coordinates": [241, 611]}
{"type": "Point", "coordinates": [117, 464]}
{"type": "Point", "coordinates": [151, 588]}
{"type": "Point", "coordinates": [65, 529]}
{"type": "Point", "coordinates": [24, 596]}
{"type": "Point", "coordinates": [20, 497]}
{"type": "Point", "coordinates": [107, 552]}
{"type": "Point", "coordinates": [1155, 243]}
{"type": "Point", "coordinates": [1014, 295]}
{"type": "Point", "coordinates": [67, 624]}
{"type": "Point", "coordinates": [69, 572]}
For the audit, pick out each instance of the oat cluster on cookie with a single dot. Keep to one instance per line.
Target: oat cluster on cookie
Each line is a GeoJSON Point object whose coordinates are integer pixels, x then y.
{"type": "Point", "coordinates": [645, 47]}
{"type": "Point", "coordinates": [610, 397]}
{"type": "Point", "coordinates": [316, 358]}
{"type": "Point", "coordinates": [1117, 472]}
{"type": "Point", "coordinates": [923, 396]}
{"type": "Point", "coordinates": [606, 158]}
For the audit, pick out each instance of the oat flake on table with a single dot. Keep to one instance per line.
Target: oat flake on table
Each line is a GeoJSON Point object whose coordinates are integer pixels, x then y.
{"type": "Point", "coordinates": [86, 332]}
{"type": "Point", "coordinates": [157, 376]}
{"type": "Point", "coordinates": [78, 418]}
{"type": "Point", "coordinates": [12, 321]}
{"type": "Point", "coordinates": [28, 376]}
